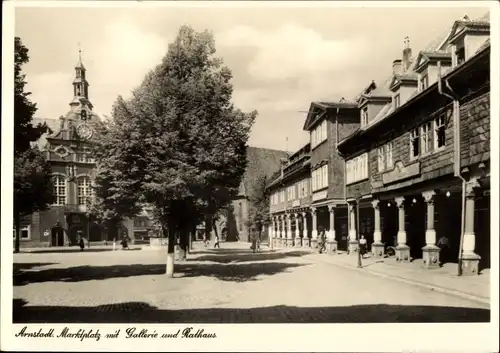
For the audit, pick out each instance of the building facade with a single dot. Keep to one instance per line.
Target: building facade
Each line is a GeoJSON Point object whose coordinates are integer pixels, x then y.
{"type": "Point", "coordinates": [404, 164]}
{"type": "Point", "coordinates": [68, 150]}
{"type": "Point", "coordinates": [425, 153]}
{"type": "Point", "coordinates": [309, 197]}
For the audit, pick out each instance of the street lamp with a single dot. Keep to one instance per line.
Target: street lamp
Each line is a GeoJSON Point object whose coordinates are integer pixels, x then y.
{"type": "Point", "coordinates": [360, 265]}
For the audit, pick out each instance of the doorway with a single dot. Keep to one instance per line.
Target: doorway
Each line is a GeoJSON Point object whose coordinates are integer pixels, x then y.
{"type": "Point", "coordinates": [57, 236]}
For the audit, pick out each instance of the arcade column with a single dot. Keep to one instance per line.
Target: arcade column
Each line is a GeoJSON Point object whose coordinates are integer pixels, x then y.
{"type": "Point", "coordinates": [402, 250]}
{"type": "Point", "coordinates": [314, 232]}
{"type": "Point", "coordinates": [430, 252]}
{"type": "Point", "coordinates": [470, 260]}
{"type": "Point", "coordinates": [305, 234]}
{"type": "Point", "coordinates": [353, 245]}
{"type": "Point", "coordinates": [331, 242]}
{"type": "Point", "coordinates": [377, 246]}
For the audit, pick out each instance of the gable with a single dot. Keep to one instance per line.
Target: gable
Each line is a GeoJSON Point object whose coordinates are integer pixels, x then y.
{"type": "Point", "coordinates": [314, 110]}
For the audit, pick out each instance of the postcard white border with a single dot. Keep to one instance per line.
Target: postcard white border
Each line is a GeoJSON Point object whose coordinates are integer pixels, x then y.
{"type": "Point", "coordinates": [257, 337]}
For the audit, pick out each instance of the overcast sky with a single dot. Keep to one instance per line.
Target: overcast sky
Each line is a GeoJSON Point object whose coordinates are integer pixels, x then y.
{"type": "Point", "coordinates": [281, 58]}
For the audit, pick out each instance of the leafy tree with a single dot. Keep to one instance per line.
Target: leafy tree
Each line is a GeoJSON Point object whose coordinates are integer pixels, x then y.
{"type": "Point", "coordinates": [115, 196]}
{"type": "Point", "coordinates": [32, 174]}
{"type": "Point", "coordinates": [182, 142]}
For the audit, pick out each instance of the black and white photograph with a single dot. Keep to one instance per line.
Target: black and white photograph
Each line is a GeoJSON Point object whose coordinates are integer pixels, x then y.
{"type": "Point", "coordinates": [179, 167]}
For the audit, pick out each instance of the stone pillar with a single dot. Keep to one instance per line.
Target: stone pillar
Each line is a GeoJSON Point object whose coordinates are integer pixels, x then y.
{"type": "Point", "coordinates": [283, 231]}
{"type": "Point", "coordinates": [331, 242]}
{"type": "Point", "coordinates": [270, 231]}
{"type": "Point", "coordinates": [289, 235]}
{"type": "Point", "coordinates": [353, 245]}
{"type": "Point", "coordinates": [305, 234]}
{"type": "Point", "coordinates": [377, 246]}
{"type": "Point", "coordinates": [314, 232]}
{"type": "Point", "coordinates": [470, 260]}
{"type": "Point", "coordinates": [276, 231]}
{"type": "Point", "coordinates": [402, 250]}
{"type": "Point", "coordinates": [430, 252]}
{"type": "Point", "coordinates": [296, 240]}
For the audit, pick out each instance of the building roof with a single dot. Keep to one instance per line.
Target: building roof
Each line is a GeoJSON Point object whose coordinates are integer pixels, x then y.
{"type": "Point", "coordinates": [436, 48]}
{"type": "Point", "coordinates": [260, 162]}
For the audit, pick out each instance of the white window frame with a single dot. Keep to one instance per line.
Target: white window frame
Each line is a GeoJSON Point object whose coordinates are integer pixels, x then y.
{"type": "Point", "coordinates": [414, 135]}
{"type": "Point", "coordinates": [357, 169]}
{"type": "Point", "coordinates": [426, 138]}
{"type": "Point", "coordinates": [397, 100]}
{"type": "Point", "coordinates": [324, 173]}
{"type": "Point", "coordinates": [381, 158]}
{"type": "Point", "coordinates": [389, 162]}
{"type": "Point", "coordinates": [84, 190]}
{"type": "Point", "coordinates": [364, 116]}
{"type": "Point", "coordinates": [424, 81]}
{"type": "Point", "coordinates": [26, 228]}
{"type": "Point", "coordinates": [60, 182]}
{"type": "Point", "coordinates": [439, 123]}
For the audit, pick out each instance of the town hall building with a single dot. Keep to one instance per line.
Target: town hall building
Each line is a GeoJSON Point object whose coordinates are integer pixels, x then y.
{"type": "Point", "coordinates": [67, 147]}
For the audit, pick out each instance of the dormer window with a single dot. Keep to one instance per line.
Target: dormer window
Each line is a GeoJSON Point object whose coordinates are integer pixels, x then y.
{"type": "Point", "coordinates": [460, 55]}
{"type": "Point", "coordinates": [364, 116]}
{"type": "Point", "coordinates": [424, 82]}
{"type": "Point", "coordinates": [397, 101]}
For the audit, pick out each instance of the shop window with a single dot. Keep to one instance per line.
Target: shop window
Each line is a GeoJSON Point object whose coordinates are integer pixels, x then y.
{"type": "Point", "coordinates": [24, 233]}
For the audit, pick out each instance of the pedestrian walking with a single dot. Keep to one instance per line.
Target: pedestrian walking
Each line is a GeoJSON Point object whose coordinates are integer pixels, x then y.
{"type": "Point", "coordinates": [362, 245]}
{"type": "Point", "coordinates": [444, 247]}
{"type": "Point", "coordinates": [80, 241]}
{"type": "Point", "coordinates": [253, 236]}
{"type": "Point", "coordinates": [124, 243]}
{"type": "Point", "coordinates": [205, 239]}
{"type": "Point", "coordinates": [322, 241]}
{"type": "Point", "coordinates": [258, 240]}
{"type": "Point", "coordinates": [216, 241]}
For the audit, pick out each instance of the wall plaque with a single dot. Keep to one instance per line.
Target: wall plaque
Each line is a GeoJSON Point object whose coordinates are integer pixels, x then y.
{"type": "Point", "coordinates": [401, 172]}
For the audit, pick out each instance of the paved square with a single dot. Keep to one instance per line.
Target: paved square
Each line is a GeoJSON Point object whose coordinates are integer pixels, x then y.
{"type": "Point", "coordinates": [230, 284]}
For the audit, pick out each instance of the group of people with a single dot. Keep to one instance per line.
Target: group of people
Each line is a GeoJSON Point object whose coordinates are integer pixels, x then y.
{"type": "Point", "coordinates": [443, 244]}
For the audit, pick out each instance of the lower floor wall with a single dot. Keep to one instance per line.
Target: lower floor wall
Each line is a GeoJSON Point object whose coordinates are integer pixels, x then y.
{"type": "Point", "coordinates": [55, 227]}
{"type": "Point", "coordinates": [446, 222]}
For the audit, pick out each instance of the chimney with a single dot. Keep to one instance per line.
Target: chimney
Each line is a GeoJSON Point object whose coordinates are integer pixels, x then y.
{"type": "Point", "coordinates": [396, 67]}
{"type": "Point", "coordinates": [406, 55]}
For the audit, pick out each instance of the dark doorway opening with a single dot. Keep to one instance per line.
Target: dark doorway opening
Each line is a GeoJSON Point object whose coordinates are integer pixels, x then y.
{"type": "Point", "coordinates": [57, 236]}
{"type": "Point", "coordinates": [416, 224]}
{"type": "Point", "coordinates": [482, 230]}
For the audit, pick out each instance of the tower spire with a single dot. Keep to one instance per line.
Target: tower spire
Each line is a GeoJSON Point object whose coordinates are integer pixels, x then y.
{"type": "Point", "coordinates": [80, 84]}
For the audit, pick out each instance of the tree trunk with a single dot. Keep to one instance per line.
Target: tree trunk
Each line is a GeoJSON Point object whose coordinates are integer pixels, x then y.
{"type": "Point", "coordinates": [192, 235]}
{"type": "Point", "coordinates": [17, 221]}
{"type": "Point", "coordinates": [183, 243]}
{"type": "Point", "coordinates": [208, 227]}
{"type": "Point", "coordinates": [170, 251]}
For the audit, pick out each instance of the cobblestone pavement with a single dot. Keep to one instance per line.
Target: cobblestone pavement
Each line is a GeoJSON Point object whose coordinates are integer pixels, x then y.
{"type": "Point", "coordinates": [230, 284]}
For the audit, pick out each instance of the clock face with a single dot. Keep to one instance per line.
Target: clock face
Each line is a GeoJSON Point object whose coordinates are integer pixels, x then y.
{"type": "Point", "coordinates": [84, 131]}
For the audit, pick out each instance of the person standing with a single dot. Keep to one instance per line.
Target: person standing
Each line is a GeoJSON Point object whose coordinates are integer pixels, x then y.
{"type": "Point", "coordinates": [362, 245]}
{"type": "Point", "coordinates": [253, 238]}
{"type": "Point", "coordinates": [81, 242]}
{"type": "Point", "coordinates": [444, 246]}
{"type": "Point", "coordinates": [216, 241]}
